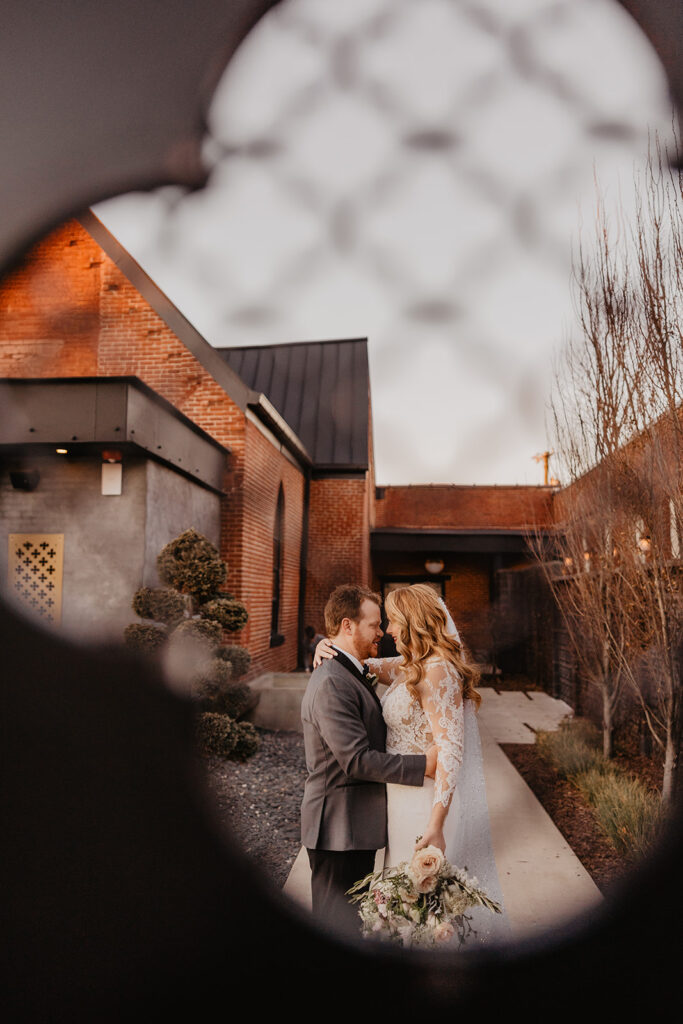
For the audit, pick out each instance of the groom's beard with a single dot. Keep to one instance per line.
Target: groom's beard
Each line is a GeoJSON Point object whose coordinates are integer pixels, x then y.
{"type": "Point", "coordinates": [371, 653]}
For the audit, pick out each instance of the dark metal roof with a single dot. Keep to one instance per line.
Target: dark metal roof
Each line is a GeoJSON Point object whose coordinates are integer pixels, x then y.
{"type": "Point", "coordinates": [320, 388]}
{"type": "Point", "coordinates": [491, 541]}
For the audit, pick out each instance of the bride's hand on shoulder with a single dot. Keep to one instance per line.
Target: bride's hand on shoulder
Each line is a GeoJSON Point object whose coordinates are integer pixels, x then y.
{"type": "Point", "coordinates": [323, 652]}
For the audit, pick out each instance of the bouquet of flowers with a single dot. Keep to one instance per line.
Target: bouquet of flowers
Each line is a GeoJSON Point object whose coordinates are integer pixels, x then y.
{"type": "Point", "coordinates": [419, 903]}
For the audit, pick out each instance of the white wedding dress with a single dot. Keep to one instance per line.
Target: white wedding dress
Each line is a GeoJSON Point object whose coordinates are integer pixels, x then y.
{"type": "Point", "coordinates": [449, 721]}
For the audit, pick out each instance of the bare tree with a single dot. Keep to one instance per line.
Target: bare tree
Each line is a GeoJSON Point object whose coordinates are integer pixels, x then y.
{"type": "Point", "coordinates": [617, 429]}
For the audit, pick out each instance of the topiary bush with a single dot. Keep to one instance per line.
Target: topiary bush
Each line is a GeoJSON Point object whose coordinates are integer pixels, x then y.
{"type": "Point", "coordinates": [231, 614]}
{"type": "Point", "coordinates": [160, 604]}
{"type": "Point", "coordinates": [216, 734]}
{"type": "Point", "coordinates": [196, 614]}
{"type": "Point", "coordinates": [192, 565]}
{"type": "Point", "coordinates": [220, 735]}
{"type": "Point", "coordinates": [247, 742]}
{"type": "Point", "coordinates": [143, 637]}
{"type": "Point", "coordinates": [209, 682]}
{"type": "Point", "coordinates": [235, 700]}
{"type": "Point", "coordinates": [199, 629]}
{"type": "Point", "coordinates": [239, 658]}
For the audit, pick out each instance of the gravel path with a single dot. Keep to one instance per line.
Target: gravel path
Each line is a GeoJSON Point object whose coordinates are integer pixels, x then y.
{"type": "Point", "coordinates": [260, 799]}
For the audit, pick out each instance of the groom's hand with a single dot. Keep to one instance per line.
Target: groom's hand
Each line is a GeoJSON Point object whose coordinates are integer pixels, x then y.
{"type": "Point", "coordinates": [430, 767]}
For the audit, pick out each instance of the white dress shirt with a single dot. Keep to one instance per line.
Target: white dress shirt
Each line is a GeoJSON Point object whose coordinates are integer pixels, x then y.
{"type": "Point", "coordinates": [359, 664]}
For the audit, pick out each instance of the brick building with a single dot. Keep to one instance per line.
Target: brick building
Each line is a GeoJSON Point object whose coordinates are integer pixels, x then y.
{"type": "Point", "coordinates": [267, 450]}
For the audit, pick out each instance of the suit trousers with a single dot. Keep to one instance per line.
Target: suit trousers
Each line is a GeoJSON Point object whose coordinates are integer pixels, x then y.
{"type": "Point", "coordinates": [333, 872]}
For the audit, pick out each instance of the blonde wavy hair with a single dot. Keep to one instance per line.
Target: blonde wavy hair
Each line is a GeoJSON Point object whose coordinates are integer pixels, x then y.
{"type": "Point", "coordinates": [422, 627]}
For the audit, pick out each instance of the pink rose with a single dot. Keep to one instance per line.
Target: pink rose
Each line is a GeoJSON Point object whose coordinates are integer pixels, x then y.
{"type": "Point", "coordinates": [427, 884]}
{"type": "Point", "coordinates": [425, 863]}
{"type": "Point", "coordinates": [444, 931]}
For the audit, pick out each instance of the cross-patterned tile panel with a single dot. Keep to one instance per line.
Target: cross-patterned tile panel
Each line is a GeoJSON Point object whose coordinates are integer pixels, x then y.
{"type": "Point", "coordinates": [35, 573]}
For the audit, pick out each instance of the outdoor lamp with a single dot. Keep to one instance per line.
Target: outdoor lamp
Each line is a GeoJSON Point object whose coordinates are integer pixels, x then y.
{"type": "Point", "coordinates": [112, 472]}
{"type": "Point", "coordinates": [434, 565]}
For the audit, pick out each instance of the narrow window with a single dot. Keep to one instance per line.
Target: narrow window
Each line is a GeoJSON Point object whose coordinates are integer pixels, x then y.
{"type": "Point", "coordinates": [276, 637]}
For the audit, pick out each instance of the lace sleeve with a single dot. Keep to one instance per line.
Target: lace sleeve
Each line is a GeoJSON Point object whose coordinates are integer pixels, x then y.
{"type": "Point", "coordinates": [386, 669]}
{"type": "Point", "coordinates": [441, 700]}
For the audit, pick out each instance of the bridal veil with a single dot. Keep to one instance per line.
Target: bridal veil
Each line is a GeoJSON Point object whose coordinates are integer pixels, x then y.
{"type": "Point", "coordinates": [467, 829]}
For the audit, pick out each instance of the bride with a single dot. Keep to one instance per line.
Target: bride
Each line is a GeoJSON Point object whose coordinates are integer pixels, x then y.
{"type": "Point", "coordinates": [431, 699]}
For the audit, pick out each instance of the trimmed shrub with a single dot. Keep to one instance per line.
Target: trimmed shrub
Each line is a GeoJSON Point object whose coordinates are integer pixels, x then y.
{"type": "Point", "coordinates": [231, 614]}
{"type": "Point", "coordinates": [628, 813]}
{"type": "Point", "coordinates": [236, 700]}
{"type": "Point", "coordinates": [160, 604]}
{"type": "Point", "coordinates": [571, 749]}
{"type": "Point", "coordinates": [217, 734]}
{"type": "Point", "coordinates": [247, 742]}
{"type": "Point", "coordinates": [141, 637]}
{"type": "Point", "coordinates": [210, 681]}
{"type": "Point", "coordinates": [239, 658]}
{"type": "Point", "coordinates": [199, 629]}
{"type": "Point", "coordinates": [192, 564]}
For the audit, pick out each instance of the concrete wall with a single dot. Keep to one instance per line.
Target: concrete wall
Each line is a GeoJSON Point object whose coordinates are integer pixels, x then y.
{"type": "Point", "coordinates": [174, 504]}
{"type": "Point", "coordinates": [104, 537]}
{"type": "Point", "coordinates": [110, 542]}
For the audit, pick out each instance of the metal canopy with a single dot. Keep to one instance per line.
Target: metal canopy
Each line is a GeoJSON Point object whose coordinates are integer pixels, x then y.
{"type": "Point", "coordinates": [84, 412]}
{"type": "Point", "coordinates": [485, 542]}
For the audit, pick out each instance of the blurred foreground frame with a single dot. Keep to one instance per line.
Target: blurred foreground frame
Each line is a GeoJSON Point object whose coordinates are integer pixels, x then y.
{"type": "Point", "coordinates": [122, 892]}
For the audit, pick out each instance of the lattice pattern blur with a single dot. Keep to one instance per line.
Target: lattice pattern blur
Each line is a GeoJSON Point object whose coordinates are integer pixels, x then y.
{"type": "Point", "coordinates": [410, 170]}
{"type": "Point", "coordinates": [35, 572]}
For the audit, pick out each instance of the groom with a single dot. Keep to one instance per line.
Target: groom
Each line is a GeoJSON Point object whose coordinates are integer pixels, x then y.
{"type": "Point", "coordinates": [344, 810]}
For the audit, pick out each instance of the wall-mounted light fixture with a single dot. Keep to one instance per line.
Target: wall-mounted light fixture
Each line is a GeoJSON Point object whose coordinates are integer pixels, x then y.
{"type": "Point", "coordinates": [434, 565]}
{"type": "Point", "coordinates": [112, 472]}
{"type": "Point", "coordinates": [62, 451]}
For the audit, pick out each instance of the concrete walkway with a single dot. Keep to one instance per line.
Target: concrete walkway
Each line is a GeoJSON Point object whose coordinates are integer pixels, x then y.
{"type": "Point", "coordinates": [543, 881]}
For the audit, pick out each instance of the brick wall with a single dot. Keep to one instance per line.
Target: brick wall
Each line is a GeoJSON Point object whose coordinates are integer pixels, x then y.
{"type": "Point", "coordinates": [49, 308]}
{"type": "Point", "coordinates": [68, 311]}
{"type": "Point", "coordinates": [464, 507]}
{"type": "Point", "coordinates": [466, 591]}
{"type": "Point", "coordinates": [265, 470]}
{"type": "Point", "coordinates": [338, 541]}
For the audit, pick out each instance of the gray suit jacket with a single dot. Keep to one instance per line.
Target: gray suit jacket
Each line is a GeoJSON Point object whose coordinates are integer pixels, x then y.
{"type": "Point", "coordinates": [345, 801]}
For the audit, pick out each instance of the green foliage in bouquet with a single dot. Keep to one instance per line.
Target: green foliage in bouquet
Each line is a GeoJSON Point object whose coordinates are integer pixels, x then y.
{"type": "Point", "coordinates": [422, 902]}
{"type": "Point", "coordinates": [192, 565]}
{"type": "Point", "coordinates": [140, 636]}
{"type": "Point", "coordinates": [161, 604]}
{"type": "Point", "coordinates": [239, 658]}
{"type": "Point", "coordinates": [231, 614]}
{"type": "Point", "coordinates": [221, 736]}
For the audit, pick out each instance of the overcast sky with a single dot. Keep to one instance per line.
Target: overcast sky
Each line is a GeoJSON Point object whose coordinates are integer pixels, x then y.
{"type": "Point", "coordinates": [413, 171]}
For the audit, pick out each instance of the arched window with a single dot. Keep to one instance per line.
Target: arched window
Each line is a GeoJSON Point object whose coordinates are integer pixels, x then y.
{"type": "Point", "coordinates": [276, 637]}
